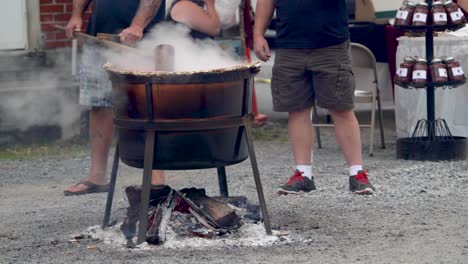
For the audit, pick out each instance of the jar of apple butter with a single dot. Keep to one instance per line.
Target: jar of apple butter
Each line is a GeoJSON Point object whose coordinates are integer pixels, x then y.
{"type": "Point", "coordinates": [439, 14]}
{"type": "Point", "coordinates": [420, 73]}
{"type": "Point", "coordinates": [455, 14]}
{"type": "Point", "coordinates": [454, 70]}
{"type": "Point", "coordinates": [420, 14]}
{"type": "Point", "coordinates": [438, 71]}
{"type": "Point", "coordinates": [404, 16]}
{"type": "Point", "coordinates": [405, 72]}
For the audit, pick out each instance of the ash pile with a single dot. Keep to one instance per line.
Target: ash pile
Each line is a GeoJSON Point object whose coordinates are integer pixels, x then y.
{"type": "Point", "coordinates": [187, 212]}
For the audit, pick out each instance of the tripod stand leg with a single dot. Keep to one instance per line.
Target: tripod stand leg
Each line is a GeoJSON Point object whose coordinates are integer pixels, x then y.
{"type": "Point", "coordinates": [258, 182]}
{"type": "Point", "coordinates": [146, 185]}
{"type": "Point", "coordinates": [110, 194]}
{"type": "Point", "coordinates": [222, 181]}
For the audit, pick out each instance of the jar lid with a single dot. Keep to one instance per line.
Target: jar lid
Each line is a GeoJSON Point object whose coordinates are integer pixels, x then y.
{"type": "Point", "coordinates": [422, 4]}
{"type": "Point", "coordinates": [422, 60]}
{"type": "Point", "coordinates": [408, 3]}
{"type": "Point", "coordinates": [448, 2]}
{"type": "Point", "coordinates": [449, 59]}
{"type": "Point", "coordinates": [409, 59]}
{"type": "Point", "coordinates": [436, 61]}
{"type": "Point", "coordinates": [437, 3]}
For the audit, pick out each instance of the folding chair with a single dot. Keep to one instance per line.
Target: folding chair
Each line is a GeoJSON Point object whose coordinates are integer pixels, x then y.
{"type": "Point", "coordinates": [362, 58]}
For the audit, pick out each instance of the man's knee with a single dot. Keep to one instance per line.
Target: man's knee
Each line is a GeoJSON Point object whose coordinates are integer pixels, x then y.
{"type": "Point", "coordinates": [342, 113]}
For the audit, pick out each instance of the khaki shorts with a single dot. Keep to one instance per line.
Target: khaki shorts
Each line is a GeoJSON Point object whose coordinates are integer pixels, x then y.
{"type": "Point", "coordinates": [302, 77]}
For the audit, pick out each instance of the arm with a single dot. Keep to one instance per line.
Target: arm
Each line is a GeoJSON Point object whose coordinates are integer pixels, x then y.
{"type": "Point", "coordinates": [196, 18]}
{"type": "Point", "coordinates": [265, 10]}
{"type": "Point", "coordinates": [76, 20]}
{"type": "Point", "coordinates": [145, 13]}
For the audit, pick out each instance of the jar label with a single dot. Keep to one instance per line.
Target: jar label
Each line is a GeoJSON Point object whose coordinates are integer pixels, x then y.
{"type": "Point", "coordinates": [402, 14]}
{"type": "Point", "coordinates": [440, 17]}
{"type": "Point", "coordinates": [457, 71]}
{"type": "Point", "coordinates": [420, 17]}
{"type": "Point", "coordinates": [422, 75]}
{"type": "Point", "coordinates": [402, 72]}
{"type": "Point", "coordinates": [443, 73]}
{"type": "Point", "coordinates": [458, 15]}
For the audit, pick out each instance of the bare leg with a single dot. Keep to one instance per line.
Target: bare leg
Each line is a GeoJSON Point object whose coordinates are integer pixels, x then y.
{"type": "Point", "coordinates": [301, 134]}
{"type": "Point", "coordinates": [101, 129]}
{"type": "Point", "coordinates": [348, 135]}
{"type": "Point", "coordinates": [158, 178]}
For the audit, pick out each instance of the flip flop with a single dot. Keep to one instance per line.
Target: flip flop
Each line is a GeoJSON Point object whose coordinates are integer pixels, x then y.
{"type": "Point", "coordinates": [91, 188]}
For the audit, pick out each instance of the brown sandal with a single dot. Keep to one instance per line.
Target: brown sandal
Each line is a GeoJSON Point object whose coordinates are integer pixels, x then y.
{"type": "Point", "coordinates": [91, 188]}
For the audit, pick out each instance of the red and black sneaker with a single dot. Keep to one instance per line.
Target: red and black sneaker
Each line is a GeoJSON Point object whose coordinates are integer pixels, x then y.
{"type": "Point", "coordinates": [297, 184]}
{"type": "Point", "coordinates": [359, 183]}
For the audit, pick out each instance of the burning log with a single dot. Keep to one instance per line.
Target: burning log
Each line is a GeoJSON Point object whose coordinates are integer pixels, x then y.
{"type": "Point", "coordinates": [159, 219]}
{"type": "Point", "coordinates": [187, 212]}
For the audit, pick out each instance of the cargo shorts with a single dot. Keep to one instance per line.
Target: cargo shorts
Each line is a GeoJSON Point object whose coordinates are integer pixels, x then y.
{"type": "Point", "coordinates": [302, 77]}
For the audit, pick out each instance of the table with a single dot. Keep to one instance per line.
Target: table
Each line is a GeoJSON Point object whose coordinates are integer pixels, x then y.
{"type": "Point", "coordinates": [450, 104]}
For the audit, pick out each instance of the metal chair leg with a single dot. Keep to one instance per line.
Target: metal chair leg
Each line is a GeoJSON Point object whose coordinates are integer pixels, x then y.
{"type": "Point", "coordinates": [372, 129]}
{"type": "Point", "coordinates": [146, 185]}
{"type": "Point", "coordinates": [317, 129]}
{"type": "Point", "coordinates": [222, 181]}
{"type": "Point", "coordinates": [110, 194]}
{"type": "Point", "coordinates": [382, 136]}
{"type": "Point", "coordinates": [258, 182]}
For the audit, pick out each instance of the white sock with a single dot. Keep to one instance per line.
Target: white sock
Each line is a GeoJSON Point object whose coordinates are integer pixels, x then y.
{"type": "Point", "coordinates": [306, 170]}
{"type": "Point", "coordinates": [354, 170]}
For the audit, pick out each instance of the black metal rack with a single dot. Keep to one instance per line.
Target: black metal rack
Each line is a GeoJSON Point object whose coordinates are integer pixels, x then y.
{"type": "Point", "coordinates": [432, 138]}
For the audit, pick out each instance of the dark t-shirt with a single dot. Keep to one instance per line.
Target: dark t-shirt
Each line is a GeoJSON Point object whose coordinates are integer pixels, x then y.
{"type": "Point", "coordinates": [311, 23]}
{"type": "Point", "coordinates": [113, 16]}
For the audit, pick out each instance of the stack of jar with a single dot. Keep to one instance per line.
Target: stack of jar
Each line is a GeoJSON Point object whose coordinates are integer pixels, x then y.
{"type": "Point", "coordinates": [440, 14]}
{"type": "Point", "coordinates": [416, 71]}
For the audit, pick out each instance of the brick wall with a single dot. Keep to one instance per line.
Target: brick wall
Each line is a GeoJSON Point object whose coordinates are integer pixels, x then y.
{"type": "Point", "coordinates": [57, 12]}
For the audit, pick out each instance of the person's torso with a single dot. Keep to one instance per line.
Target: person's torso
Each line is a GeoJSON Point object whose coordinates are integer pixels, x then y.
{"type": "Point", "coordinates": [193, 33]}
{"type": "Point", "coordinates": [112, 16]}
{"type": "Point", "coordinates": [311, 23]}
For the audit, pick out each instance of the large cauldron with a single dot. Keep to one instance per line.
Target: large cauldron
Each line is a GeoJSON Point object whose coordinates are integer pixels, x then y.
{"type": "Point", "coordinates": [182, 97]}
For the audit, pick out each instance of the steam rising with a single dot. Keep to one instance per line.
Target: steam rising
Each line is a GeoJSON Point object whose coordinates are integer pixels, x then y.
{"type": "Point", "coordinates": [190, 54]}
{"type": "Point", "coordinates": [41, 98]}
{"type": "Point", "coordinates": [37, 95]}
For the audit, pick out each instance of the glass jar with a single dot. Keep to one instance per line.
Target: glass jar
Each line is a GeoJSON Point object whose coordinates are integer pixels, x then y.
{"type": "Point", "coordinates": [405, 72]}
{"type": "Point", "coordinates": [438, 71]}
{"type": "Point", "coordinates": [404, 16]}
{"type": "Point", "coordinates": [454, 70]}
{"type": "Point", "coordinates": [439, 14]}
{"type": "Point", "coordinates": [455, 14]}
{"type": "Point", "coordinates": [420, 73]}
{"type": "Point", "coordinates": [420, 14]}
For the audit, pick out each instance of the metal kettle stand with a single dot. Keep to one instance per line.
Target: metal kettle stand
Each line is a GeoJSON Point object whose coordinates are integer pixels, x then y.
{"type": "Point", "coordinates": [151, 129]}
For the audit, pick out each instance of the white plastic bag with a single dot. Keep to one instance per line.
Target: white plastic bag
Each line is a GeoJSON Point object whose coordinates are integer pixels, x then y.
{"type": "Point", "coordinates": [228, 12]}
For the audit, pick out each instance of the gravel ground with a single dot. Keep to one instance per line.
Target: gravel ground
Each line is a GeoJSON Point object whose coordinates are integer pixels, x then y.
{"type": "Point", "coordinates": [417, 216]}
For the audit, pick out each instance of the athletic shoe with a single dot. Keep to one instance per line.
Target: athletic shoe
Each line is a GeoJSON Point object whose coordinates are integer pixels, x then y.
{"type": "Point", "coordinates": [359, 183]}
{"type": "Point", "coordinates": [297, 184]}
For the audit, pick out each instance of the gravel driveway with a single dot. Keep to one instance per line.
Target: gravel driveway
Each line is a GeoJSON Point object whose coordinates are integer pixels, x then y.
{"type": "Point", "coordinates": [419, 214]}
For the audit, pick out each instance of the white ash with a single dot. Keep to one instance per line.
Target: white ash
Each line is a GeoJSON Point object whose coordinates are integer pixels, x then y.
{"type": "Point", "coordinates": [248, 235]}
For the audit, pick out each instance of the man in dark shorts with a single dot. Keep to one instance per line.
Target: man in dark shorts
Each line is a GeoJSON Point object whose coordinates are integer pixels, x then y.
{"type": "Point", "coordinates": [312, 65]}
{"type": "Point", "coordinates": [130, 19]}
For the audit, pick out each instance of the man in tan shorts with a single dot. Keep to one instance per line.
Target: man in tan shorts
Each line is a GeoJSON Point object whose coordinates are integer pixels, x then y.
{"type": "Point", "coordinates": [312, 65]}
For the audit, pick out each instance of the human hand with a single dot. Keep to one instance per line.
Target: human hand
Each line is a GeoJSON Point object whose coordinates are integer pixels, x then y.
{"type": "Point", "coordinates": [131, 34]}
{"type": "Point", "coordinates": [74, 24]}
{"type": "Point", "coordinates": [261, 48]}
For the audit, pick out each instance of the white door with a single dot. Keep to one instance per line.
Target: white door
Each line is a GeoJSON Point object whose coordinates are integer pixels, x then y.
{"type": "Point", "coordinates": [13, 30]}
